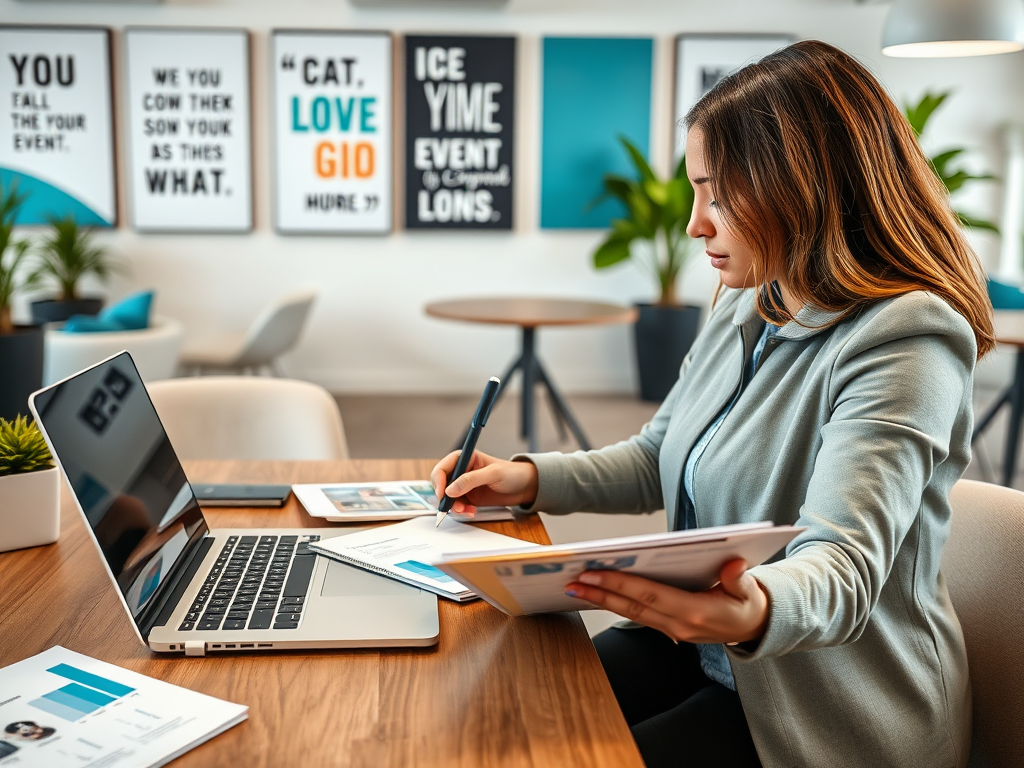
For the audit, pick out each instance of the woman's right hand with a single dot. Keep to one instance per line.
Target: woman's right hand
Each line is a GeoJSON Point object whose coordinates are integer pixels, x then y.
{"type": "Point", "coordinates": [487, 482]}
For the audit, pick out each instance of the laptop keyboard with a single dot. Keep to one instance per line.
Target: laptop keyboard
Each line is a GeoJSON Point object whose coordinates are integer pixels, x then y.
{"type": "Point", "coordinates": [257, 582]}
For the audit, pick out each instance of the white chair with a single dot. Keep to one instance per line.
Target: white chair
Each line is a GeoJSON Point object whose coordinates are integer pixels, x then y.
{"type": "Point", "coordinates": [154, 349]}
{"type": "Point", "coordinates": [274, 332]}
{"type": "Point", "coordinates": [241, 417]}
{"type": "Point", "coordinates": [983, 563]}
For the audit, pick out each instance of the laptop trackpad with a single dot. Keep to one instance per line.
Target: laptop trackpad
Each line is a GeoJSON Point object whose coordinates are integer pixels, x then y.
{"type": "Point", "coordinates": [348, 581]}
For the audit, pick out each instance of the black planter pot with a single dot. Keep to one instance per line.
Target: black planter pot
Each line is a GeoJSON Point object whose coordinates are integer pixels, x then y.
{"type": "Point", "coordinates": [54, 311]}
{"type": "Point", "coordinates": [21, 368]}
{"type": "Point", "coordinates": [663, 337]}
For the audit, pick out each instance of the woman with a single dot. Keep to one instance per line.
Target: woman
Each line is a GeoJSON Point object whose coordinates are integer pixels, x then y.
{"type": "Point", "coordinates": [831, 389]}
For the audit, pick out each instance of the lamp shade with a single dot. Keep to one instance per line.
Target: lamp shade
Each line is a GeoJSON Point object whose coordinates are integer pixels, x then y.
{"type": "Point", "coordinates": [939, 28]}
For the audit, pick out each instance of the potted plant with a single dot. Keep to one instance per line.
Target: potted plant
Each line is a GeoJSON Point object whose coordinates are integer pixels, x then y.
{"type": "Point", "coordinates": [653, 231]}
{"type": "Point", "coordinates": [944, 163]}
{"type": "Point", "coordinates": [29, 487]}
{"type": "Point", "coordinates": [66, 255]}
{"type": "Point", "coordinates": [21, 347]}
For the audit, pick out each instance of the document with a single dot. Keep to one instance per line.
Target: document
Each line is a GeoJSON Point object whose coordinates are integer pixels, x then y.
{"type": "Point", "coordinates": [390, 501]}
{"type": "Point", "coordinates": [524, 581]}
{"type": "Point", "coordinates": [60, 708]}
{"type": "Point", "coordinates": [407, 551]}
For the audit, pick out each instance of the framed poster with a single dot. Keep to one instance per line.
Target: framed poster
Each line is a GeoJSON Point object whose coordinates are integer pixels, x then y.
{"type": "Point", "coordinates": [594, 90]}
{"type": "Point", "coordinates": [189, 134]}
{"type": "Point", "coordinates": [703, 60]}
{"type": "Point", "coordinates": [57, 140]}
{"type": "Point", "coordinates": [459, 118]}
{"type": "Point", "coordinates": [332, 132]}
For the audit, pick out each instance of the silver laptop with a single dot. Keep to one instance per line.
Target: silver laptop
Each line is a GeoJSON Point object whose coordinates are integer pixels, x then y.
{"type": "Point", "coordinates": [189, 589]}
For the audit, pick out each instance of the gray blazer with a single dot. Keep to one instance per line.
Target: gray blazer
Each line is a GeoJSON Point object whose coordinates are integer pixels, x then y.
{"type": "Point", "coordinates": [858, 432]}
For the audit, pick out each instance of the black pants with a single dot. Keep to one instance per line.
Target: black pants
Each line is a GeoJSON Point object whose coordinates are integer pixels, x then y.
{"type": "Point", "coordinates": [679, 717]}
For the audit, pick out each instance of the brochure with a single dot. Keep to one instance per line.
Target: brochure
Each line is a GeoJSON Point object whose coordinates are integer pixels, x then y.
{"type": "Point", "coordinates": [522, 581]}
{"type": "Point", "coordinates": [390, 501]}
{"type": "Point", "coordinates": [407, 551]}
{"type": "Point", "coordinates": [60, 708]}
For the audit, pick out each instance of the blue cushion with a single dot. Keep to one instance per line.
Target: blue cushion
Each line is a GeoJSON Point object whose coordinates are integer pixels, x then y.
{"type": "Point", "coordinates": [129, 314]}
{"type": "Point", "coordinates": [1005, 296]}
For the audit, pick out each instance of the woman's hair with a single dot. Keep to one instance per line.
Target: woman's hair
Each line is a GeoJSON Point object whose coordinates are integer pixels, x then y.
{"type": "Point", "coordinates": [816, 168]}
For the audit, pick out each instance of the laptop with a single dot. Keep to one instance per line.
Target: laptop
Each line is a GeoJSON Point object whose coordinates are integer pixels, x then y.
{"type": "Point", "coordinates": [189, 589]}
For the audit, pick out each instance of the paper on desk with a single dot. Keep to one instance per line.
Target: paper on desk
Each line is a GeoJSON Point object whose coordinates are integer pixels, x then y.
{"type": "Point", "coordinates": [60, 708]}
{"type": "Point", "coordinates": [407, 551]}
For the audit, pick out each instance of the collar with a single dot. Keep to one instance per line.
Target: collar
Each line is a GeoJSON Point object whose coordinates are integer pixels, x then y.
{"type": "Point", "coordinates": [809, 321]}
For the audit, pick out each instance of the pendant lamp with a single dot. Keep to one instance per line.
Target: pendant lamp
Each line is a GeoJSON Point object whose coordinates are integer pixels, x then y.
{"type": "Point", "coordinates": [945, 28]}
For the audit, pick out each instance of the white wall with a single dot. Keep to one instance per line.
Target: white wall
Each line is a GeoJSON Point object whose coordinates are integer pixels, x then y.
{"type": "Point", "coordinates": [368, 332]}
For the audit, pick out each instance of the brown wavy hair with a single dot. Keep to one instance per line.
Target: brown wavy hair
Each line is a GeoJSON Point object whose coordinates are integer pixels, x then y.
{"type": "Point", "coordinates": [816, 167]}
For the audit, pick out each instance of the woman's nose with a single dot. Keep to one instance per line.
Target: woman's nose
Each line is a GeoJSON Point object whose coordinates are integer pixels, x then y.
{"type": "Point", "coordinates": [699, 225]}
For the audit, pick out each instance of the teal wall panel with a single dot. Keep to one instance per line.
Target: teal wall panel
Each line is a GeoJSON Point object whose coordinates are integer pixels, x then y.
{"type": "Point", "coordinates": [594, 89]}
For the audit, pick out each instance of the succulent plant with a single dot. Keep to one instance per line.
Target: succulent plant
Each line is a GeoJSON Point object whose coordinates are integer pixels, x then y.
{"type": "Point", "coordinates": [22, 448]}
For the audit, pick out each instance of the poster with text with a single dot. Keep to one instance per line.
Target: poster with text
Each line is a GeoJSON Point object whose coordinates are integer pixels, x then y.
{"type": "Point", "coordinates": [332, 132]}
{"type": "Point", "coordinates": [459, 102]}
{"type": "Point", "coordinates": [57, 140]}
{"type": "Point", "coordinates": [703, 60]}
{"type": "Point", "coordinates": [189, 138]}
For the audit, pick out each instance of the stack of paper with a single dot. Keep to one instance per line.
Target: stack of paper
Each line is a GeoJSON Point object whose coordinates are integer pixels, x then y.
{"type": "Point", "coordinates": [60, 708]}
{"type": "Point", "coordinates": [407, 551]}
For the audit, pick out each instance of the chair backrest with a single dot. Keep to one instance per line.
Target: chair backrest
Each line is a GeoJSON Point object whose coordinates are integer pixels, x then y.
{"type": "Point", "coordinates": [276, 330]}
{"type": "Point", "coordinates": [154, 349]}
{"type": "Point", "coordinates": [983, 563]}
{"type": "Point", "coordinates": [242, 417]}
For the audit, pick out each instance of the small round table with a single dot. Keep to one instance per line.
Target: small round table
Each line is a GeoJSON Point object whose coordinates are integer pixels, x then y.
{"type": "Point", "coordinates": [529, 313]}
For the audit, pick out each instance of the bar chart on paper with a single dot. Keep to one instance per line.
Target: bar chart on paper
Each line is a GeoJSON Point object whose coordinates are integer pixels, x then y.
{"type": "Point", "coordinates": [83, 695]}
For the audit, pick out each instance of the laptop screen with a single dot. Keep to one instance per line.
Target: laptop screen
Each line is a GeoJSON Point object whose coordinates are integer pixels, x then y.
{"type": "Point", "coordinates": [119, 462]}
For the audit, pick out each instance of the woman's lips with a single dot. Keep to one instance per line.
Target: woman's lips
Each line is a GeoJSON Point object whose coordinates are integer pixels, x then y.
{"type": "Point", "coordinates": [717, 259]}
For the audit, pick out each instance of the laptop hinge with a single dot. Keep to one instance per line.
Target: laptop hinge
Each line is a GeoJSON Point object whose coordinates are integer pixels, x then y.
{"type": "Point", "coordinates": [159, 614]}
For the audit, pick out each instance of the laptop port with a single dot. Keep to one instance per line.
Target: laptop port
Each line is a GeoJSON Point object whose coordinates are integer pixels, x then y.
{"type": "Point", "coordinates": [230, 645]}
{"type": "Point", "coordinates": [216, 645]}
{"type": "Point", "coordinates": [173, 647]}
{"type": "Point", "coordinates": [265, 645]}
{"type": "Point", "coordinates": [247, 645]}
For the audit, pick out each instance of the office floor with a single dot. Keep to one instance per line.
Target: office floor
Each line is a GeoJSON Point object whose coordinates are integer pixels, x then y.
{"type": "Point", "coordinates": [427, 426]}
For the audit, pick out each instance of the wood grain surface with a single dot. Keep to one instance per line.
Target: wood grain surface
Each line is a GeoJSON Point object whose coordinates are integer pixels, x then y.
{"type": "Point", "coordinates": [495, 691]}
{"type": "Point", "coordinates": [531, 312]}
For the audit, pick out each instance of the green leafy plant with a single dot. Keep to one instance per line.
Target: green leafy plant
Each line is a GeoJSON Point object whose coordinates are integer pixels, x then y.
{"type": "Point", "coordinates": [67, 254]}
{"type": "Point", "coordinates": [13, 253]}
{"type": "Point", "coordinates": [657, 212]}
{"type": "Point", "coordinates": [945, 163]}
{"type": "Point", "coordinates": [22, 448]}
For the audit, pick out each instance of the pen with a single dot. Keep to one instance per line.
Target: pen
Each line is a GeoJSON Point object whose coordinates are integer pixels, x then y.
{"type": "Point", "coordinates": [483, 410]}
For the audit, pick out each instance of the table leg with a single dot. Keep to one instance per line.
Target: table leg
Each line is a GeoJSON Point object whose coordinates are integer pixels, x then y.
{"type": "Point", "coordinates": [528, 424]}
{"type": "Point", "coordinates": [991, 413]}
{"type": "Point", "coordinates": [1016, 415]}
{"type": "Point", "coordinates": [562, 408]}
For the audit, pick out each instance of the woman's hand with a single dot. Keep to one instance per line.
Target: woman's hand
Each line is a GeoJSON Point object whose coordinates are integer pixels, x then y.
{"type": "Point", "coordinates": [486, 482]}
{"type": "Point", "coordinates": [733, 611]}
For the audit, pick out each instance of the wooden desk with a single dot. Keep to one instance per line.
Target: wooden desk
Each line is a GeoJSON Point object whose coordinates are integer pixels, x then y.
{"type": "Point", "coordinates": [495, 691]}
{"type": "Point", "coordinates": [529, 313]}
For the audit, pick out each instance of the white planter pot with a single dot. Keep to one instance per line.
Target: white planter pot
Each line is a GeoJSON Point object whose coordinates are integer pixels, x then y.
{"type": "Point", "coordinates": [29, 509]}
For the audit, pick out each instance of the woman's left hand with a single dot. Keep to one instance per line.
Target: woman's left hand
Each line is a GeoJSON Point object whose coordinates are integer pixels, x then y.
{"type": "Point", "coordinates": [733, 611]}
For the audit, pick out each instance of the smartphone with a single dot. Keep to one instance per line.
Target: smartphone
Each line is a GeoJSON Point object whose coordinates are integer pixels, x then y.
{"type": "Point", "coordinates": [221, 495]}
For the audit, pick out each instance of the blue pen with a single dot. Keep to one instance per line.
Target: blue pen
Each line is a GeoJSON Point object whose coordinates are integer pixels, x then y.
{"type": "Point", "coordinates": [479, 420]}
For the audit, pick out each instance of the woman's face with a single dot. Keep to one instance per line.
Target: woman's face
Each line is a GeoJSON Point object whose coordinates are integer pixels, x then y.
{"type": "Point", "coordinates": [729, 254]}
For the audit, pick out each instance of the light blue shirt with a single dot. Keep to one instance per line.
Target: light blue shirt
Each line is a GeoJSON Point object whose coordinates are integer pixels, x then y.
{"type": "Point", "coordinates": [713, 659]}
